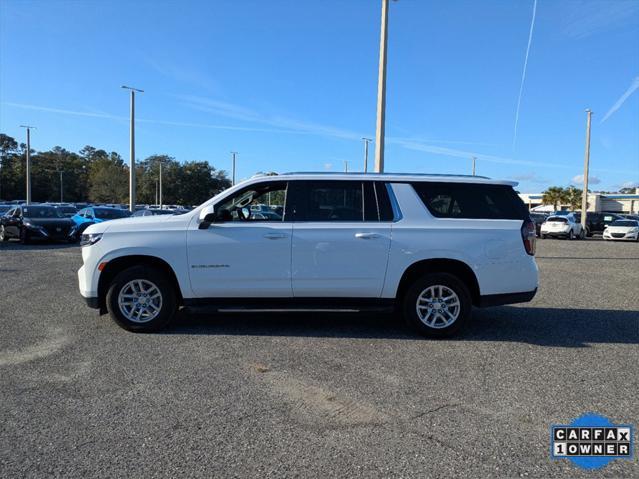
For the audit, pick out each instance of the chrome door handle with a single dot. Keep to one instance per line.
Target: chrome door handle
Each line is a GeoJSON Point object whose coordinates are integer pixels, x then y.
{"type": "Point", "coordinates": [366, 235]}
{"type": "Point", "coordinates": [273, 236]}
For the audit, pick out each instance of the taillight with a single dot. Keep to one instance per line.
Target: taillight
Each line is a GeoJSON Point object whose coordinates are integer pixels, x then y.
{"type": "Point", "coordinates": [529, 236]}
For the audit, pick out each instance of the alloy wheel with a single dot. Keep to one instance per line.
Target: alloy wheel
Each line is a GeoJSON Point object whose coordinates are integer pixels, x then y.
{"type": "Point", "coordinates": [140, 301]}
{"type": "Point", "coordinates": [438, 306]}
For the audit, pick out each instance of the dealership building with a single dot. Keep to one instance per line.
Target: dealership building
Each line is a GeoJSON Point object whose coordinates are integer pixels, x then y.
{"type": "Point", "coordinates": [597, 202]}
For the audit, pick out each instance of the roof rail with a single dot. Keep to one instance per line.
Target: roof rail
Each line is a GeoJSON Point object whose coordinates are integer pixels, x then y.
{"type": "Point", "coordinates": [356, 173]}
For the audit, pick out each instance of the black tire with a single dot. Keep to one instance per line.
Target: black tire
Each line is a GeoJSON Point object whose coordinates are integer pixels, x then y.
{"type": "Point", "coordinates": [24, 236]}
{"type": "Point", "coordinates": [571, 235]}
{"type": "Point", "coordinates": [409, 304]}
{"type": "Point", "coordinates": [542, 236]}
{"type": "Point", "coordinates": [3, 234]}
{"type": "Point", "coordinates": [160, 281]}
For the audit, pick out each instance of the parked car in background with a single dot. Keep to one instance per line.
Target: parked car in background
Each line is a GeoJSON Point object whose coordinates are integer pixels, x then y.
{"type": "Point", "coordinates": [596, 222]}
{"type": "Point", "coordinates": [428, 246]}
{"type": "Point", "coordinates": [152, 212]}
{"type": "Point", "coordinates": [538, 219]}
{"type": "Point", "coordinates": [622, 230]}
{"type": "Point", "coordinates": [96, 214]}
{"type": "Point", "coordinates": [41, 222]}
{"type": "Point", "coordinates": [564, 226]}
{"type": "Point", "coordinates": [67, 210]}
{"type": "Point", "coordinates": [5, 208]}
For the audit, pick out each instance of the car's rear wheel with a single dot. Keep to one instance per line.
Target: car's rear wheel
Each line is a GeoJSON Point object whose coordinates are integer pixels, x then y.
{"type": "Point", "coordinates": [542, 236]}
{"type": "Point", "coordinates": [437, 305]}
{"type": "Point", "coordinates": [582, 234]}
{"type": "Point", "coordinates": [141, 299]}
{"type": "Point", "coordinates": [571, 235]}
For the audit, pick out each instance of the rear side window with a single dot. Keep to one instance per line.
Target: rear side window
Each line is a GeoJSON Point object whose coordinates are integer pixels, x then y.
{"type": "Point", "coordinates": [472, 201]}
{"type": "Point", "coordinates": [330, 201]}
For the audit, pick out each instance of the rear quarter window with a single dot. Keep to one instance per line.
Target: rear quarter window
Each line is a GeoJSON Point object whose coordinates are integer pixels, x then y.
{"type": "Point", "coordinates": [471, 201]}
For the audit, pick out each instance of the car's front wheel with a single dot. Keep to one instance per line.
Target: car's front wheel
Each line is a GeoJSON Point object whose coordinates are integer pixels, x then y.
{"type": "Point", "coordinates": [141, 299]}
{"type": "Point", "coordinates": [571, 235]}
{"type": "Point", "coordinates": [3, 234]}
{"type": "Point", "coordinates": [24, 236]}
{"type": "Point", "coordinates": [437, 305]}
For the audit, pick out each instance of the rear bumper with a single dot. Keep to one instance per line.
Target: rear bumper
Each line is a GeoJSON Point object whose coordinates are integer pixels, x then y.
{"type": "Point", "coordinates": [507, 298]}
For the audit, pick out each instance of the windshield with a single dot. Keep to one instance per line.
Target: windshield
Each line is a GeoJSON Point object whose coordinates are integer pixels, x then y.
{"type": "Point", "coordinates": [41, 212]}
{"type": "Point", "coordinates": [630, 223]}
{"type": "Point", "coordinates": [555, 219]}
{"type": "Point", "coordinates": [67, 209]}
{"type": "Point", "coordinates": [110, 214]}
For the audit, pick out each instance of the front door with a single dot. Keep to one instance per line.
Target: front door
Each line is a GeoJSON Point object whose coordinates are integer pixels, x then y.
{"type": "Point", "coordinates": [340, 246]}
{"type": "Point", "coordinates": [246, 252]}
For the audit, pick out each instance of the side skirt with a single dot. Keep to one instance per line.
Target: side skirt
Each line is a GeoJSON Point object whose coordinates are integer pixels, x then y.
{"type": "Point", "coordinates": [289, 305]}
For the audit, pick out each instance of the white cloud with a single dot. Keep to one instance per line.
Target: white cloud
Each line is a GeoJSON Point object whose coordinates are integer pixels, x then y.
{"type": "Point", "coordinates": [530, 177]}
{"type": "Point", "coordinates": [630, 184]}
{"type": "Point", "coordinates": [592, 180]}
{"type": "Point", "coordinates": [590, 17]}
{"type": "Point", "coordinates": [328, 166]}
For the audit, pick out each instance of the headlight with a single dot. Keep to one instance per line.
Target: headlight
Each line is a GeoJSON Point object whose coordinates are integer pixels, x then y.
{"type": "Point", "coordinates": [32, 226]}
{"type": "Point", "coordinates": [90, 239]}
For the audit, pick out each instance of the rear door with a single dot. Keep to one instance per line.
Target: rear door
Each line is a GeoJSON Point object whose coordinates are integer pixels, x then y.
{"type": "Point", "coordinates": [340, 247]}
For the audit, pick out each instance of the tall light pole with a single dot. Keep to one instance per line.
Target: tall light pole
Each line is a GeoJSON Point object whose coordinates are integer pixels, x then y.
{"type": "Point", "coordinates": [345, 166]}
{"type": "Point", "coordinates": [160, 184]}
{"type": "Point", "coordinates": [132, 148]}
{"type": "Point", "coordinates": [28, 165]}
{"type": "Point", "coordinates": [381, 92]}
{"type": "Point", "coordinates": [61, 188]}
{"type": "Point", "coordinates": [233, 153]}
{"type": "Point", "coordinates": [474, 160]}
{"type": "Point", "coordinates": [584, 194]}
{"type": "Point", "coordinates": [366, 140]}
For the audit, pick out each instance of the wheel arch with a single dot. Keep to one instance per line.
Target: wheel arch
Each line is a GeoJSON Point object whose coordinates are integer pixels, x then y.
{"type": "Point", "coordinates": [119, 264]}
{"type": "Point", "coordinates": [440, 265]}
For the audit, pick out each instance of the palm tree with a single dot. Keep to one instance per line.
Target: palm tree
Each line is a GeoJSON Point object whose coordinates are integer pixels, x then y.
{"type": "Point", "coordinates": [573, 197]}
{"type": "Point", "coordinates": [554, 195]}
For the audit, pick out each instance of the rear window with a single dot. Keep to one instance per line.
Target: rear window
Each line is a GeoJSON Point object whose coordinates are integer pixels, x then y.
{"type": "Point", "coordinates": [557, 219]}
{"type": "Point", "coordinates": [472, 201]}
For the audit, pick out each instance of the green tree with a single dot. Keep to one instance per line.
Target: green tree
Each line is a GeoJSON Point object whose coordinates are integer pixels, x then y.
{"type": "Point", "coordinates": [573, 197]}
{"type": "Point", "coordinates": [554, 195]}
{"type": "Point", "coordinates": [108, 180]}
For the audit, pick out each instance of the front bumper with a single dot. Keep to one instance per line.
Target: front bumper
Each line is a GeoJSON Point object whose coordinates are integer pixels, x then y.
{"type": "Point", "coordinates": [42, 233]}
{"type": "Point", "coordinates": [93, 303]}
{"type": "Point", "coordinates": [626, 237]}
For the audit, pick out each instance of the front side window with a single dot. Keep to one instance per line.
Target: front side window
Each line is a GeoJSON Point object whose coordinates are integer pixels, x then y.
{"type": "Point", "coordinates": [261, 202]}
{"type": "Point", "coordinates": [471, 201]}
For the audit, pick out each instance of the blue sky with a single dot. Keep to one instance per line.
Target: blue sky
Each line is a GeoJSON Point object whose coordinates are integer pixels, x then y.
{"type": "Point", "coordinates": [291, 85]}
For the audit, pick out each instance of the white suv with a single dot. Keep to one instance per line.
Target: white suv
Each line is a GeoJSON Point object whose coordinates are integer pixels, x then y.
{"type": "Point", "coordinates": [428, 246]}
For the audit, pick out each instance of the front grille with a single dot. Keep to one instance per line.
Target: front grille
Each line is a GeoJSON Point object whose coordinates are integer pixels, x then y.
{"type": "Point", "coordinates": [617, 235]}
{"type": "Point", "coordinates": [53, 232]}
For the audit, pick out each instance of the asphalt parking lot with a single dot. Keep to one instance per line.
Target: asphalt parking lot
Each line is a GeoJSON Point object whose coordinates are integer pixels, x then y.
{"type": "Point", "coordinates": [314, 396]}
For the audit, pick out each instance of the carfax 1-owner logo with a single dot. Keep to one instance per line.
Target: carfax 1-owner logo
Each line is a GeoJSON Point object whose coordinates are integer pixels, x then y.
{"type": "Point", "coordinates": [591, 441]}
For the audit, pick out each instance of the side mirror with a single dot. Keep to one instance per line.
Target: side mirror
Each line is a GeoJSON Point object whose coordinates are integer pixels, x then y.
{"type": "Point", "coordinates": [207, 216]}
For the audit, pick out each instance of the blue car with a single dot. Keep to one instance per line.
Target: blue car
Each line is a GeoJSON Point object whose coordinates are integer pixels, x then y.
{"type": "Point", "coordinates": [96, 214]}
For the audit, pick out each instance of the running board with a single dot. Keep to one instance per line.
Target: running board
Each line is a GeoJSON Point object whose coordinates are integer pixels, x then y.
{"type": "Point", "coordinates": [289, 305]}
